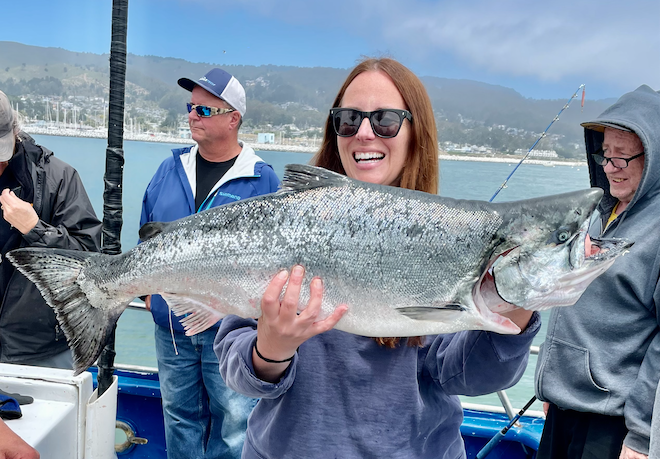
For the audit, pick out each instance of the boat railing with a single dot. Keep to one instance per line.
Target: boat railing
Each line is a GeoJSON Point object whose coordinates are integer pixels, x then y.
{"type": "Point", "coordinates": [506, 407]}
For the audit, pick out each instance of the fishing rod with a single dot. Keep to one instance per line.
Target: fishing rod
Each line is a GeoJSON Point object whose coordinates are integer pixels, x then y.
{"type": "Point", "coordinates": [543, 134]}
{"type": "Point", "coordinates": [485, 451]}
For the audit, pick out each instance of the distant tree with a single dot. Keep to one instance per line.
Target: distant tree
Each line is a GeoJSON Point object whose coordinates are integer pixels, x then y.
{"type": "Point", "coordinates": [47, 86]}
{"type": "Point", "coordinates": [171, 121]}
{"type": "Point", "coordinates": [174, 101]}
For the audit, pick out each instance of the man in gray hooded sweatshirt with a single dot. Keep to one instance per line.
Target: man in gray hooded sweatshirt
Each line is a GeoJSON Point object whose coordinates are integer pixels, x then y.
{"type": "Point", "coordinates": [600, 363]}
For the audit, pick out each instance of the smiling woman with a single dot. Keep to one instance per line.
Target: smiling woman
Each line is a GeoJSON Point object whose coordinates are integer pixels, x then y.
{"type": "Point", "coordinates": [386, 380]}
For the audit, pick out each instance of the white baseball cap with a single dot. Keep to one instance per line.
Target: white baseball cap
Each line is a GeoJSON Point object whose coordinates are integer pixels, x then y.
{"type": "Point", "coordinates": [221, 84]}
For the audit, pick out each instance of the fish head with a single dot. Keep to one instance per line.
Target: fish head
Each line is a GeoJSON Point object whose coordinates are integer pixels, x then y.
{"type": "Point", "coordinates": [546, 257]}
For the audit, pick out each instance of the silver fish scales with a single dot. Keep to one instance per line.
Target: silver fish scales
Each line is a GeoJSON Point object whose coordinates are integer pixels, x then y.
{"type": "Point", "coordinates": [407, 263]}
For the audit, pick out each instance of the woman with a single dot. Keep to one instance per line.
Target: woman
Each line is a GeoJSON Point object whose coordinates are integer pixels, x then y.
{"type": "Point", "coordinates": [326, 393]}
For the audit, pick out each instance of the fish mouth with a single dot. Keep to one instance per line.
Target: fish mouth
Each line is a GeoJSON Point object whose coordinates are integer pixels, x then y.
{"type": "Point", "coordinates": [606, 249]}
{"type": "Point", "coordinates": [586, 259]}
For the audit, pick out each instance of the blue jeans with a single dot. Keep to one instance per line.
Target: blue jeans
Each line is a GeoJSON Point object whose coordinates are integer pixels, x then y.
{"type": "Point", "coordinates": [203, 418]}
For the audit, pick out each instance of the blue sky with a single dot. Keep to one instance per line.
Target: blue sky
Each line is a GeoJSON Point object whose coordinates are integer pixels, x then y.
{"type": "Point", "coordinates": [540, 49]}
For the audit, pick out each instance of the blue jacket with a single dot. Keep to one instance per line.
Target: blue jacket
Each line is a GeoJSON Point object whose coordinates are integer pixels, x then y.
{"type": "Point", "coordinates": [344, 396]}
{"type": "Point", "coordinates": [169, 196]}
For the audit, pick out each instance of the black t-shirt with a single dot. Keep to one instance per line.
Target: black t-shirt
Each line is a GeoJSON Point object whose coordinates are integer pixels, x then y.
{"type": "Point", "coordinates": [208, 174]}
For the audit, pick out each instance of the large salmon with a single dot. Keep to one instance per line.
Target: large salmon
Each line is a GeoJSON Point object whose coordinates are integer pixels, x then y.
{"type": "Point", "coordinates": [407, 263]}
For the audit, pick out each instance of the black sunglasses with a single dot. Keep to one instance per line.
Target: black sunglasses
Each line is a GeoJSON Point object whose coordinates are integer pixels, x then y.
{"type": "Point", "coordinates": [204, 111]}
{"type": "Point", "coordinates": [385, 123]}
{"type": "Point", "coordinates": [619, 163]}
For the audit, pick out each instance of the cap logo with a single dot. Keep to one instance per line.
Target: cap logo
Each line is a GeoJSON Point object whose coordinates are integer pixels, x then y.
{"type": "Point", "coordinates": [207, 80]}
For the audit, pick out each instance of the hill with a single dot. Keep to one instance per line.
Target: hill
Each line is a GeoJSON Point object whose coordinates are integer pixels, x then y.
{"type": "Point", "coordinates": [293, 100]}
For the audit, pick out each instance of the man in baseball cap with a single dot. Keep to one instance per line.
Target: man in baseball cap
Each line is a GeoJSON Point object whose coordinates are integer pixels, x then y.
{"type": "Point", "coordinates": [218, 170]}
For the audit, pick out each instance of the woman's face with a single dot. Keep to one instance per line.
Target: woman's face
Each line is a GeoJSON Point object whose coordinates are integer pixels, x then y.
{"type": "Point", "coordinates": [365, 156]}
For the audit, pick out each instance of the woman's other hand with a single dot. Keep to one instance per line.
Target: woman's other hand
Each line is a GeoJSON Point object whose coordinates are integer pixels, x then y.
{"type": "Point", "coordinates": [281, 330]}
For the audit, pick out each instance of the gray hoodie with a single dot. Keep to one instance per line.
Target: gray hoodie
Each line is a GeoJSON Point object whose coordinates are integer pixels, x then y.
{"type": "Point", "coordinates": [603, 354]}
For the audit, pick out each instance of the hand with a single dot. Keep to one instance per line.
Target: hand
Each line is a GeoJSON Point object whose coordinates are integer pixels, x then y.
{"type": "Point", "coordinates": [18, 213]}
{"type": "Point", "coordinates": [281, 330]}
{"type": "Point", "coordinates": [147, 303]}
{"type": "Point", "coordinates": [519, 316]}
{"type": "Point", "coordinates": [546, 407]}
{"type": "Point", "coordinates": [13, 447]}
{"type": "Point", "coordinates": [627, 453]}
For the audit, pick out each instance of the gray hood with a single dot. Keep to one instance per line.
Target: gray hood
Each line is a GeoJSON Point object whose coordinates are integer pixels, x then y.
{"type": "Point", "coordinates": [637, 111]}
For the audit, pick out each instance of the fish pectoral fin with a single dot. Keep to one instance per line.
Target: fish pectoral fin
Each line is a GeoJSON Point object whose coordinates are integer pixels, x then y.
{"type": "Point", "coordinates": [199, 316]}
{"type": "Point", "coordinates": [434, 313]}
{"type": "Point", "coordinates": [151, 229]}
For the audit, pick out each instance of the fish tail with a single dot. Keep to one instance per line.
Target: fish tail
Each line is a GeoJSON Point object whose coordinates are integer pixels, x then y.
{"type": "Point", "coordinates": [56, 273]}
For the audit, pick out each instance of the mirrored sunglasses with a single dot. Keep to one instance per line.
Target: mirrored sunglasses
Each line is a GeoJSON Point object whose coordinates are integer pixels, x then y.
{"type": "Point", "coordinates": [204, 111]}
{"type": "Point", "coordinates": [385, 123]}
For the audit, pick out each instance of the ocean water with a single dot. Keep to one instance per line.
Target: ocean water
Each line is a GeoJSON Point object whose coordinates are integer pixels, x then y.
{"type": "Point", "coordinates": [459, 179]}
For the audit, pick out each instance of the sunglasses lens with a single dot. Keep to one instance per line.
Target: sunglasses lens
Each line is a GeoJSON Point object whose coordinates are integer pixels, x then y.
{"type": "Point", "coordinates": [386, 123]}
{"type": "Point", "coordinates": [201, 110]}
{"type": "Point", "coordinates": [347, 122]}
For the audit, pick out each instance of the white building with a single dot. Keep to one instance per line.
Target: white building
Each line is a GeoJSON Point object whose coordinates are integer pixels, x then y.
{"type": "Point", "coordinates": [265, 137]}
{"type": "Point", "coordinates": [538, 153]}
{"type": "Point", "coordinates": [183, 131]}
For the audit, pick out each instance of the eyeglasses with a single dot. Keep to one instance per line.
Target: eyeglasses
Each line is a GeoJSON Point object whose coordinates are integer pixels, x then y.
{"type": "Point", "coordinates": [205, 112]}
{"type": "Point", "coordinates": [385, 123]}
{"type": "Point", "coordinates": [619, 163]}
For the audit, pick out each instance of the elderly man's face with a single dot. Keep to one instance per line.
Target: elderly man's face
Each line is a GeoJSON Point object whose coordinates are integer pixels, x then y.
{"type": "Point", "coordinates": [623, 182]}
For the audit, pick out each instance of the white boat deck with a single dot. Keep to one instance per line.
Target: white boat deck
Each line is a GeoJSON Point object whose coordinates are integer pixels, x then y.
{"type": "Point", "coordinates": [52, 423]}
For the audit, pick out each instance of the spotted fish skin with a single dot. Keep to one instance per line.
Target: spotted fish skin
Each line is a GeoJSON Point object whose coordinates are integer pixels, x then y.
{"type": "Point", "coordinates": [406, 263]}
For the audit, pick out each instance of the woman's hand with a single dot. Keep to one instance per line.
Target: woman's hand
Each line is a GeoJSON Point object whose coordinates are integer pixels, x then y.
{"type": "Point", "coordinates": [496, 304]}
{"type": "Point", "coordinates": [281, 330]}
{"type": "Point", "coordinates": [519, 317]}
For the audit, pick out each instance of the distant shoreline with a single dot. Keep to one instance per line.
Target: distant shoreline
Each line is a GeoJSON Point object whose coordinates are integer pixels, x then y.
{"type": "Point", "coordinates": [161, 138]}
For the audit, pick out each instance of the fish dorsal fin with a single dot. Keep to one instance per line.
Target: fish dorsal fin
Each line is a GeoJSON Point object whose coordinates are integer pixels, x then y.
{"type": "Point", "coordinates": [198, 315]}
{"type": "Point", "coordinates": [298, 177]}
{"type": "Point", "coordinates": [434, 313]}
{"type": "Point", "coordinates": [151, 229]}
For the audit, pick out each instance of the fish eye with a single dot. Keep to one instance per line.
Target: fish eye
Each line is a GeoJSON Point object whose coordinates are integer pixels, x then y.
{"type": "Point", "coordinates": [562, 235]}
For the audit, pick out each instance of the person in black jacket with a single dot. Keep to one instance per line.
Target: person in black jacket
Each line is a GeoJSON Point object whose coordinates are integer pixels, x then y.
{"type": "Point", "coordinates": [43, 204]}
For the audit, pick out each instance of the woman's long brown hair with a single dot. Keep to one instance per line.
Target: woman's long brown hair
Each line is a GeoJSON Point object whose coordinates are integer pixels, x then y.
{"type": "Point", "coordinates": [421, 171]}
